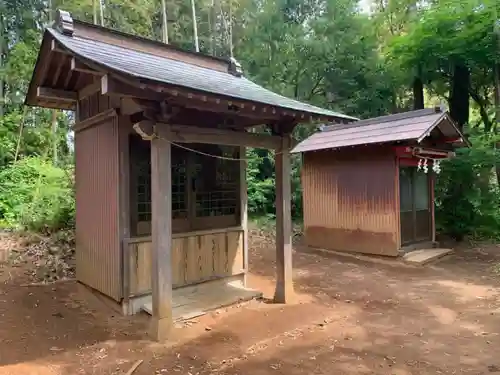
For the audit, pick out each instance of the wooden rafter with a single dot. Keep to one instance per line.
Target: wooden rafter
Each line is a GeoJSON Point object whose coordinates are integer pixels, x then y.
{"type": "Point", "coordinates": [89, 90]}
{"type": "Point", "coordinates": [46, 93]}
{"type": "Point", "coordinates": [205, 103]}
{"type": "Point", "coordinates": [57, 73]}
{"type": "Point", "coordinates": [78, 66]}
{"type": "Point", "coordinates": [69, 74]}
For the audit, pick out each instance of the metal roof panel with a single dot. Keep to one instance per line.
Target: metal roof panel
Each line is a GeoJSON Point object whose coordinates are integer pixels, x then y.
{"type": "Point", "coordinates": [399, 127]}
{"type": "Point", "coordinates": [169, 71]}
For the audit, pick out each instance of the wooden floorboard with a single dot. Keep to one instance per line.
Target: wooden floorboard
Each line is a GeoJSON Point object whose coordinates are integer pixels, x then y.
{"type": "Point", "coordinates": [205, 298]}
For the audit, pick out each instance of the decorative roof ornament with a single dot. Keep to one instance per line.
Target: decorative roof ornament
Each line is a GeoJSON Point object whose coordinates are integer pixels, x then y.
{"type": "Point", "coordinates": [64, 22]}
{"type": "Point", "coordinates": [235, 67]}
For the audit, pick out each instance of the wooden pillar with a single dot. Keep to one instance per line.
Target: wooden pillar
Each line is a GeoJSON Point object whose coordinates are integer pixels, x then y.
{"type": "Point", "coordinates": [124, 192]}
{"type": "Point", "coordinates": [284, 283]}
{"type": "Point", "coordinates": [161, 233]}
{"type": "Point", "coordinates": [432, 177]}
{"type": "Point", "coordinates": [244, 210]}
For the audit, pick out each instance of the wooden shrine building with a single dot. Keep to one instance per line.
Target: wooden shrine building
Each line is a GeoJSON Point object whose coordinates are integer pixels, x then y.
{"type": "Point", "coordinates": [161, 198]}
{"type": "Point", "coordinates": [369, 186]}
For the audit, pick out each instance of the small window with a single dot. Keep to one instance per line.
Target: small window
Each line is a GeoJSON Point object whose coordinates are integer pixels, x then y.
{"type": "Point", "coordinates": [179, 178]}
{"type": "Point", "coordinates": [143, 192]}
{"type": "Point", "coordinates": [217, 182]}
{"type": "Point", "coordinates": [202, 186]}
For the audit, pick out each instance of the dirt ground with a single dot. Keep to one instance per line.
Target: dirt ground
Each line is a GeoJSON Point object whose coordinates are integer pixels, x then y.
{"type": "Point", "coordinates": [351, 316]}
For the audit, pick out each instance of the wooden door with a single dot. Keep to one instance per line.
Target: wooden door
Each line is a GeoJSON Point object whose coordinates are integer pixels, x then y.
{"type": "Point", "coordinates": [415, 205]}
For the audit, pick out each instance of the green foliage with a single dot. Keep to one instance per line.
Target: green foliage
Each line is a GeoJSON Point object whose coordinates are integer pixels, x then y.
{"type": "Point", "coordinates": [261, 183]}
{"type": "Point", "coordinates": [467, 195]}
{"type": "Point", "coordinates": [325, 52]}
{"type": "Point", "coordinates": [36, 195]}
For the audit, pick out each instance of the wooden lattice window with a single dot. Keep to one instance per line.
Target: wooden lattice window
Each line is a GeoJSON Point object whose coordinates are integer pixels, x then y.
{"type": "Point", "coordinates": [179, 184]}
{"type": "Point", "coordinates": [143, 188]}
{"type": "Point", "coordinates": [217, 182]}
{"type": "Point", "coordinates": [202, 187]}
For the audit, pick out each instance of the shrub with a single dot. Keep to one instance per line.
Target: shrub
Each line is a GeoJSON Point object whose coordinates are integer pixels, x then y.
{"type": "Point", "coordinates": [467, 193]}
{"type": "Point", "coordinates": [36, 195]}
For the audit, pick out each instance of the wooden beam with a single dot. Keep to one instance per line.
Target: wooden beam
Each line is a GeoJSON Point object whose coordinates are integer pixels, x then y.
{"type": "Point", "coordinates": [78, 66]}
{"type": "Point", "coordinates": [57, 73]}
{"type": "Point", "coordinates": [94, 120]}
{"type": "Point", "coordinates": [284, 283]}
{"type": "Point", "coordinates": [185, 99]}
{"type": "Point", "coordinates": [89, 90]}
{"type": "Point", "coordinates": [56, 47]}
{"type": "Point", "coordinates": [69, 74]}
{"type": "Point", "coordinates": [111, 86]}
{"type": "Point", "coordinates": [129, 106]}
{"type": "Point", "coordinates": [161, 207]}
{"type": "Point", "coordinates": [193, 134]}
{"type": "Point", "coordinates": [47, 93]}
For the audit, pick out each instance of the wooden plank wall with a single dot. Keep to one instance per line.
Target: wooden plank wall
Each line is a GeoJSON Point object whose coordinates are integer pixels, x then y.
{"type": "Point", "coordinates": [195, 259]}
{"type": "Point", "coordinates": [98, 253]}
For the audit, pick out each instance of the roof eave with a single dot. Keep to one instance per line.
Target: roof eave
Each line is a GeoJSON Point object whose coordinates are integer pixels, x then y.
{"type": "Point", "coordinates": [45, 48]}
{"type": "Point", "coordinates": [464, 141]}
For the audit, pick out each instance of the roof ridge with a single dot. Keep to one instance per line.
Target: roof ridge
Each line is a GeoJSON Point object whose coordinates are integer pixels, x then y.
{"type": "Point", "coordinates": [148, 40]}
{"type": "Point", "coordinates": [386, 118]}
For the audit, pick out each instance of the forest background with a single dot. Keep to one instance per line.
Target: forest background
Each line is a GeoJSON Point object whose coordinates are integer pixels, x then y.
{"type": "Point", "coordinates": [363, 59]}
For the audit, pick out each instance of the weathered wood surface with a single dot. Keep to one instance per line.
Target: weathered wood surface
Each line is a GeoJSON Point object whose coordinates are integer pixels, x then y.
{"type": "Point", "coordinates": [194, 259]}
{"type": "Point", "coordinates": [161, 235]}
{"type": "Point", "coordinates": [191, 302]}
{"type": "Point", "coordinates": [284, 283]}
{"type": "Point", "coordinates": [244, 207]}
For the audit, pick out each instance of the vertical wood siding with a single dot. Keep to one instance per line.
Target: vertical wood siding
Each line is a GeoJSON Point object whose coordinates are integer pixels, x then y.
{"type": "Point", "coordinates": [98, 254]}
{"type": "Point", "coordinates": [195, 258]}
{"type": "Point", "coordinates": [350, 201]}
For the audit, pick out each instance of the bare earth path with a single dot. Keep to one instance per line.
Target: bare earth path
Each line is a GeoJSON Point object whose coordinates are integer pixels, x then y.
{"type": "Point", "coordinates": [352, 316]}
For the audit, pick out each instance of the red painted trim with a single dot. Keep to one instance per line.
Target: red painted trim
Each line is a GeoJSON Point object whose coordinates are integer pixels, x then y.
{"type": "Point", "coordinates": [452, 140]}
{"type": "Point", "coordinates": [408, 162]}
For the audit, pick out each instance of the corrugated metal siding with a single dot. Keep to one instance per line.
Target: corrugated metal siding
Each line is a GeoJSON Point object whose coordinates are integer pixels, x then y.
{"type": "Point", "coordinates": [98, 254]}
{"type": "Point", "coordinates": [350, 201]}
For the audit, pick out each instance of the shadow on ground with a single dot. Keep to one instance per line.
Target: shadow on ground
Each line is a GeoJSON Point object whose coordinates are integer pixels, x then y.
{"type": "Point", "coordinates": [352, 316]}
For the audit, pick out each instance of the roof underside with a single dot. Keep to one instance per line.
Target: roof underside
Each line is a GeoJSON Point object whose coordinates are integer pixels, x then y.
{"type": "Point", "coordinates": [144, 67]}
{"type": "Point", "coordinates": [409, 126]}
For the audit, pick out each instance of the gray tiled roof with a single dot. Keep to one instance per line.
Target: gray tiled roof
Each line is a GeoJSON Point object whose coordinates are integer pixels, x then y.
{"type": "Point", "coordinates": [160, 69]}
{"type": "Point", "coordinates": [399, 127]}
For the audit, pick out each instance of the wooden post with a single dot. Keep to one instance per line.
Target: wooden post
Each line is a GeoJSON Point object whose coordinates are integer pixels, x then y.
{"type": "Point", "coordinates": [432, 207]}
{"type": "Point", "coordinates": [244, 210]}
{"type": "Point", "coordinates": [124, 193]}
{"type": "Point", "coordinates": [161, 233]}
{"type": "Point", "coordinates": [284, 283]}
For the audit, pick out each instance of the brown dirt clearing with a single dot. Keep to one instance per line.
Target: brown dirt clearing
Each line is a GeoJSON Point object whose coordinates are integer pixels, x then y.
{"type": "Point", "coordinates": [352, 316]}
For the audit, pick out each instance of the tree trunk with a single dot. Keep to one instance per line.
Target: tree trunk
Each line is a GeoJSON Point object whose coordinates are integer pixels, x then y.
{"type": "Point", "coordinates": [55, 142]}
{"type": "Point", "coordinates": [2, 101]}
{"type": "Point", "coordinates": [459, 96]}
{"type": "Point", "coordinates": [101, 12]}
{"type": "Point", "coordinates": [94, 12]}
{"type": "Point", "coordinates": [497, 112]}
{"type": "Point", "coordinates": [418, 93]}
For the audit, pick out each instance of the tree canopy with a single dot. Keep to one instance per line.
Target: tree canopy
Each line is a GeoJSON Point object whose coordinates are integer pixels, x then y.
{"type": "Point", "coordinates": [399, 55]}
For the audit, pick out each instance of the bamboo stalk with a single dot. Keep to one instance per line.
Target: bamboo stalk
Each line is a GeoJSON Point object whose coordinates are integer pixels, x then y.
{"type": "Point", "coordinates": [195, 27]}
{"type": "Point", "coordinates": [164, 28]}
